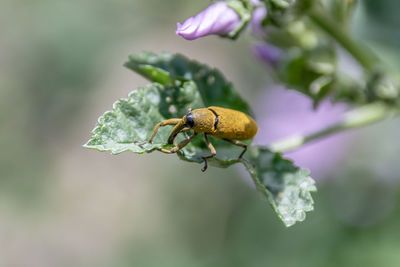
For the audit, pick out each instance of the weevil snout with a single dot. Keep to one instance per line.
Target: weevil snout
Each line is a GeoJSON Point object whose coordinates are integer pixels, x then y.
{"type": "Point", "coordinates": [186, 122]}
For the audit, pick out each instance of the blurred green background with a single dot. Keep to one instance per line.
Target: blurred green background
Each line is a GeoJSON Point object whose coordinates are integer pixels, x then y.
{"type": "Point", "coordinates": [63, 205]}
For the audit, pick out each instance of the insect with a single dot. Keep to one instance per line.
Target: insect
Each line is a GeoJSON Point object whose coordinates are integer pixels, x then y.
{"type": "Point", "coordinates": [227, 124]}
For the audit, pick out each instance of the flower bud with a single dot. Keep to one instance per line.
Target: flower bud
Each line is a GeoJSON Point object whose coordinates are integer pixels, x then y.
{"type": "Point", "coordinates": [218, 18]}
{"type": "Point", "coordinates": [257, 18]}
{"type": "Point", "coordinates": [267, 53]}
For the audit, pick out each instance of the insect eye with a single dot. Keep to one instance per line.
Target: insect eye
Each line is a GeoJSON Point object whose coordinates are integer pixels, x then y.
{"type": "Point", "coordinates": [189, 120]}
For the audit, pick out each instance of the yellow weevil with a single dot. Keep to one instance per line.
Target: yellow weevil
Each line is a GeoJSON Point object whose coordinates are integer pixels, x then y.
{"type": "Point", "coordinates": [227, 124]}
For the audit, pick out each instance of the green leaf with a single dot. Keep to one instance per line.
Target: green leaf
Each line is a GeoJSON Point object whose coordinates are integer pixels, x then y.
{"type": "Point", "coordinates": [287, 187]}
{"type": "Point", "coordinates": [129, 125]}
{"type": "Point", "coordinates": [214, 89]}
{"type": "Point", "coordinates": [310, 72]}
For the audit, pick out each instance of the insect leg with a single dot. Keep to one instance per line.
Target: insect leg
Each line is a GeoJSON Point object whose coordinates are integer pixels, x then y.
{"type": "Point", "coordinates": [163, 123]}
{"type": "Point", "coordinates": [179, 146]}
{"type": "Point", "coordinates": [212, 150]}
{"type": "Point", "coordinates": [238, 143]}
{"type": "Point", "coordinates": [185, 130]}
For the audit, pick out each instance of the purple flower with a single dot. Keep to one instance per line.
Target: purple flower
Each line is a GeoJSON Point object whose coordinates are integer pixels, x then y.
{"type": "Point", "coordinates": [257, 18]}
{"type": "Point", "coordinates": [218, 18]}
{"type": "Point", "coordinates": [284, 113]}
{"type": "Point", "coordinates": [267, 53]}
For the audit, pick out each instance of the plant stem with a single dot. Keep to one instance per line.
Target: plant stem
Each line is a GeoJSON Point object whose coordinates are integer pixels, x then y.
{"type": "Point", "coordinates": [361, 53]}
{"type": "Point", "coordinates": [359, 117]}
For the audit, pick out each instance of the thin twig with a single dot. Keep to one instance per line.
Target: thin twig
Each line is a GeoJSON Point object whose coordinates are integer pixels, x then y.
{"type": "Point", "coordinates": [358, 50]}
{"type": "Point", "coordinates": [356, 118]}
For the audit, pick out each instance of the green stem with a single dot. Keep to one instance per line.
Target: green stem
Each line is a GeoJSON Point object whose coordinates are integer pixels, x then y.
{"type": "Point", "coordinates": [361, 53]}
{"type": "Point", "coordinates": [353, 119]}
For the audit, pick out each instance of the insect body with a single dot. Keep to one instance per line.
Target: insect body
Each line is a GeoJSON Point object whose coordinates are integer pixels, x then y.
{"type": "Point", "coordinates": [227, 124]}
